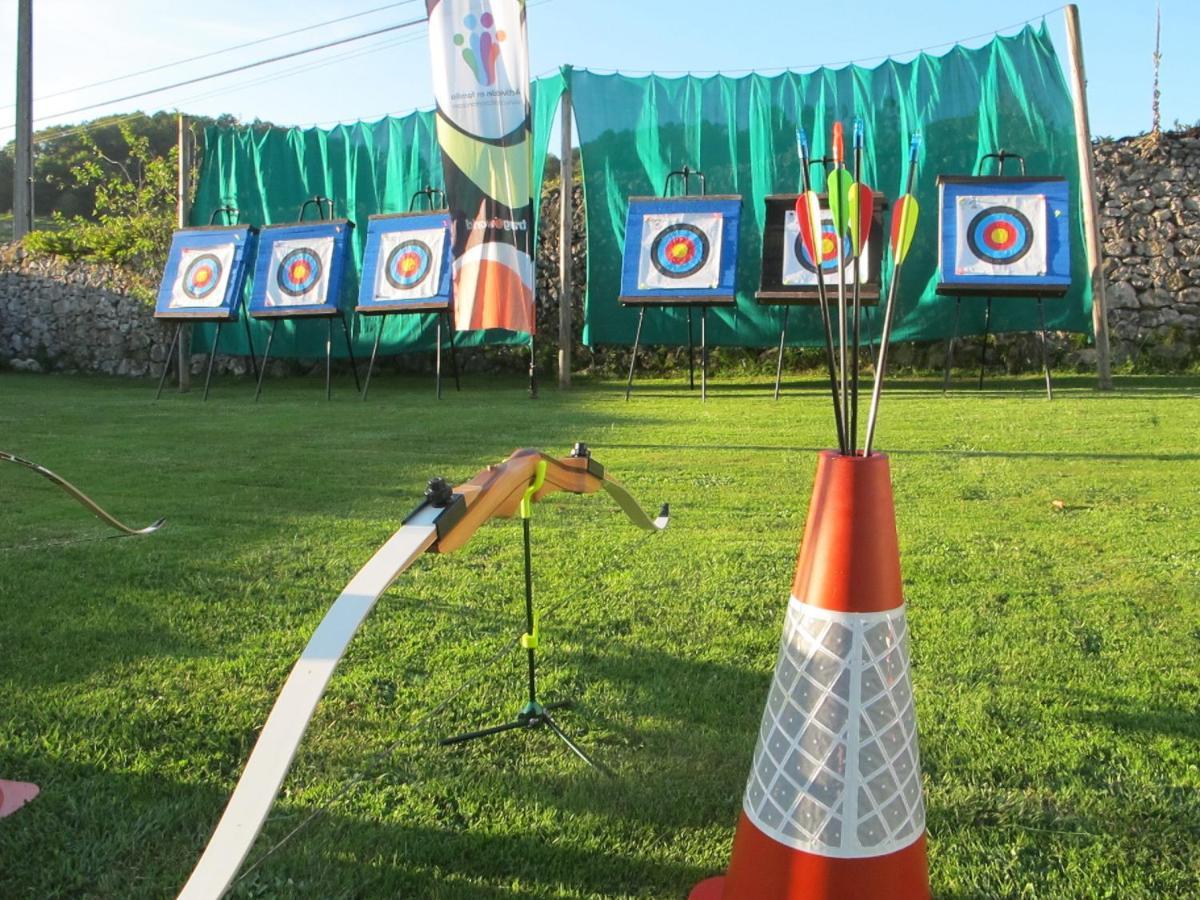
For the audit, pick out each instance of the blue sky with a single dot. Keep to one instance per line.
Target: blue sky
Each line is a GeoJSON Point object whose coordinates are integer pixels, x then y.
{"type": "Point", "coordinates": [78, 42]}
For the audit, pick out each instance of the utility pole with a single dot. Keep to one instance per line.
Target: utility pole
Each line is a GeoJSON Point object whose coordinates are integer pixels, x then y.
{"type": "Point", "coordinates": [23, 164]}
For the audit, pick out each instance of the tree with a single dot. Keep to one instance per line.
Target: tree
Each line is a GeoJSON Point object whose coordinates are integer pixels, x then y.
{"type": "Point", "coordinates": [133, 210]}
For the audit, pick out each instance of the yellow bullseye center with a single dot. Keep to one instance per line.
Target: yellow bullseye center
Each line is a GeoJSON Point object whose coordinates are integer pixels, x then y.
{"type": "Point", "coordinates": [828, 247]}
{"type": "Point", "coordinates": [408, 265]}
{"type": "Point", "coordinates": [1000, 235]}
{"type": "Point", "coordinates": [202, 276]}
{"type": "Point", "coordinates": [679, 252]}
{"type": "Point", "coordinates": [299, 271]}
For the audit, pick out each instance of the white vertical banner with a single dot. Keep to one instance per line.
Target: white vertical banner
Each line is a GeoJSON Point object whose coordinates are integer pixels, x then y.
{"type": "Point", "coordinates": [480, 56]}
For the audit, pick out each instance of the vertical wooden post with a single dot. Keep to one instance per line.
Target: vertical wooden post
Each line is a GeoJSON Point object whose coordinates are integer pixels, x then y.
{"type": "Point", "coordinates": [566, 210]}
{"type": "Point", "coordinates": [183, 209]}
{"type": "Point", "coordinates": [1087, 188]}
{"type": "Point", "coordinates": [23, 159]}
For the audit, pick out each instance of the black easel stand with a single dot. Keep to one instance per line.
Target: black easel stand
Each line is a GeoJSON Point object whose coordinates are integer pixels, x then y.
{"type": "Point", "coordinates": [328, 354]}
{"type": "Point", "coordinates": [534, 714]}
{"type": "Point", "coordinates": [443, 315]}
{"type": "Point", "coordinates": [1001, 158]}
{"type": "Point", "coordinates": [685, 174]}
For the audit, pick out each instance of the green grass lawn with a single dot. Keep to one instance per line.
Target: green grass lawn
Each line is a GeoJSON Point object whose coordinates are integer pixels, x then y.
{"type": "Point", "coordinates": [1055, 646]}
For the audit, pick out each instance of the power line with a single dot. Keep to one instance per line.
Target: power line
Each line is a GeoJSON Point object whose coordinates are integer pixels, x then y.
{"type": "Point", "coordinates": [191, 59]}
{"type": "Point", "coordinates": [235, 69]}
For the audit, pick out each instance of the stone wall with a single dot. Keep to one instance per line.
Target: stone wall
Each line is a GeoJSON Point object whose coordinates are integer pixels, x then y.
{"type": "Point", "coordinates": [65, 316]}
{"type": "Point", "coordinates": [1149, 193]}
{"type": "Point", "coordinates": [76, 317]}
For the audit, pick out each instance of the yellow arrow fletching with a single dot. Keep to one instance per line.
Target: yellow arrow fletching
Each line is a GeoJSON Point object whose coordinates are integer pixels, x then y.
{"type": "Point", "coordinates": [904, 226]}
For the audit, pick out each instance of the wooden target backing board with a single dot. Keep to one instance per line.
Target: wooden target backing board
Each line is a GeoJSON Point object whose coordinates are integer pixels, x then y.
{"type": "Point", "coordinates": [789, 276]}
{"type": "Point", "coordinates": [300, 268]}
{"type": "Point", "coordinates": [681, 251]}
{"type": "Point", "coordinates": [206, 271]}
{"type": "Point", "coordinates": [1004, 236]}
{"type": "Point", "coordinates": [406, 264]}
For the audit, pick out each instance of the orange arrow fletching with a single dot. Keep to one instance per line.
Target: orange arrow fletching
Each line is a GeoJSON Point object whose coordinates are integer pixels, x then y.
{"type": "Point", "coordinates": [839, 144]}
{"type": "Point", "coordinates": [808, 217]}
{"type": "Point", "coordinates": [904, 226]}
{"type": "Point", "coordinates": [861, 204]}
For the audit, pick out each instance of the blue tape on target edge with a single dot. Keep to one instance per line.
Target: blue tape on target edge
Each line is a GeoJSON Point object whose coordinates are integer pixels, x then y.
{"type": "Point", "coordinates": [678, 258]}
{"type": "Point", "coordinates": [206, 271]}
{"type": "Point", "coordinates": [1004, 236]}
{"type": "Point", "coordinates": [406, 263]}
{"type": "Point", "coordinates": [299, 269]}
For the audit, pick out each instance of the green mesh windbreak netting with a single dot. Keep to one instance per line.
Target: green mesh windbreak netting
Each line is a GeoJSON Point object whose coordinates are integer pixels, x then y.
{"type": "Point", "coordinates": [1010, 94]}
{"type": "Point", "coordinates": [366, 168]}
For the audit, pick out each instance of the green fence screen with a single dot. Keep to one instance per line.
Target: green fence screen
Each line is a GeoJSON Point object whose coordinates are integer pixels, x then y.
{"type": "Point", "coordinates": [366, 168]}
{"type": "Point", "coordinates": [1010, 94]}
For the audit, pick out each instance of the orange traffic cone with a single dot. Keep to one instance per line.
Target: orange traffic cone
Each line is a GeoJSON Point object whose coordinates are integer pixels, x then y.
{"type": "Point", "coordinates": [833, 807]}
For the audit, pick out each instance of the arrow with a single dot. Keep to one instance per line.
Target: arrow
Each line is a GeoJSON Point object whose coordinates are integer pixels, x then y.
{"type": "Point", "coordinates": [837, 186]}
{"type": "Point", "coordinates": [904, 226]}
{"type": "Point", "coordinates": [860, 209]}
{"type": "Point", "coordinates": [810, 211]}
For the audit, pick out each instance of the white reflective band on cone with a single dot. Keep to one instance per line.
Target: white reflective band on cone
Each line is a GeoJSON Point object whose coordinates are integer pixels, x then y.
{"type": "Point", "coordinates": [836, 770]}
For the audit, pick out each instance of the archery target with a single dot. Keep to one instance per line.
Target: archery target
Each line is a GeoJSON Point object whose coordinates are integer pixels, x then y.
{"type": "Point", "coordinates": [680, 251]}
{"type": "Point", "coordinates": [1000, 235]}
{"type": "Point", "coordinates": [299, 272]}
{"type": "Point", "coordinates": [410, 264]}
{"type": "Point", "coordinates": [798, 266]}
{"type": "Point", "coordinates": [202, 277]}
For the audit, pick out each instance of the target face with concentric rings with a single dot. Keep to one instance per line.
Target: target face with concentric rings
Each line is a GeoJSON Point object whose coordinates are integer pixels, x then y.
{"type": "Point", "coordinates": [679, 251]}
{"type": "Point", "coordinates": [299, 272]}
{"type": "Point", "coordinates": [408, 264]}
{"type": "Point", "coordinates": [829, 253]}
{"type": "Point", "coordinates": [202, 276]}
{"type": "Point", "coordinates": [1000, 235]}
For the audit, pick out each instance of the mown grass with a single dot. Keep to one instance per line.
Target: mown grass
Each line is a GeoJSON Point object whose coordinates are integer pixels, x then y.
{"type": "Point", "coordinates": [1055, 645]}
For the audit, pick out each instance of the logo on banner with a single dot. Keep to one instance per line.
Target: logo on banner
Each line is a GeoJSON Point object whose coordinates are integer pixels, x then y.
{"type": "Point", "coordinates": [300, 272]}
{"type": "Point", "coordinates": [800, 269]}
{"type": "Point", "coordinates": [480, 47]}
{"type": "Point", "coordinates": [203, 277]}
{"type": "Point", "coordinates": [680, 251]}
{"type": "Point", "coordinates": [1000, 235]}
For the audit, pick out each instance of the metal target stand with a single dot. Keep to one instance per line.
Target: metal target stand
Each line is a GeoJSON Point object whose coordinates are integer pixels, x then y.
{"type": "Point", "coordinates": [232, 215]}
{"type": "Point", "coordinates": [534, 714]}
{"type": "Point", "coordinates": [443, 311]}
{"type": "Point", "coordinates": [685, 176]}
{"type": "Point", "coordinates": [292, 313]}
{"type": "Point", "coordinates": [1001, 158]}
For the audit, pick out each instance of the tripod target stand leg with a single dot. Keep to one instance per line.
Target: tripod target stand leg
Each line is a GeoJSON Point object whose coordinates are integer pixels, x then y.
{"type": "Point", "coordinates": [212, 357]}
{"type": "Point", "coordinates": [162, 379]}
{"type": "Point", "coordinates": [453, 354]}
{"type": "Point", "coordinates": [534, 713]}
{"type": "Point", "coordinates": [1045, 351]}
{"type": "Point", "coordinates": [262, 373]}
{"type": "Point", "coordinates": [637, 337]}
{"type": "Point", "coordinates": [950, 345]}
{"type": "Point", "coordinates": [350, 351]}
{"type": "Point", "coordinates": [250, 344]}
{"type": "Point", "coordinates": [779, 359]}
{"type": "Point", "coordinates": [691, 354]}
{"type": "Point", "coordinates": [329, 358]}
{"type": "Point", "coordinates": [703, 353]}
{"type": "Point", "coordinates": [374, 353]}
{"type": "Point", "coordinates": [437, 359]}
{"type": "Point", "coordinates": [987, 328]}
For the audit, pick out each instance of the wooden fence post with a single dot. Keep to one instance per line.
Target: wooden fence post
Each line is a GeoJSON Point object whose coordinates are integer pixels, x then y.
{"type": "Point", "coordinates": [1087, 188]}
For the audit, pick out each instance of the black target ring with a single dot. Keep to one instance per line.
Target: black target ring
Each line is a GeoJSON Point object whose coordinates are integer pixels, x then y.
{"type": "Point", "coordinates": [984, 224]}
{"type": "Point", "coordinates": [407, 252]}
{"type": "Point", "coordinates": [672, 239]}
{"type": "Point", "coordinates": [202, 276]}
{"type": "Point", "coordinates": [299, 272]}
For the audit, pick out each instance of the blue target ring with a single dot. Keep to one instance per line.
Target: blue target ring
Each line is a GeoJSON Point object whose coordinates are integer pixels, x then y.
{"type": "Point", "coordinates": [202, 276]}
{"type": "Point", "coordinates": [679, 250]}
{"type": "Point", "coordinates": [829, 241]}
{"type": "Point", "coordinates": [299, 272]}
{"type": "Point", "coordinates": [409, 264]}
{"type": "Point", "coordinates": [1000, 235]}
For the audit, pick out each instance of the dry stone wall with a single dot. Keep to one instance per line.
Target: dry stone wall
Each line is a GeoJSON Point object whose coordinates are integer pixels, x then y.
{"type": "Point", "coordinates": [78, 317]}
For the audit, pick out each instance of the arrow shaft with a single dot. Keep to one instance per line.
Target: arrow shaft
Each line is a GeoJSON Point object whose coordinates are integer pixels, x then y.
{"type": "Point", "coordinates": [826, 322]}
{"type": "Point", "coordinates": [885, 336]}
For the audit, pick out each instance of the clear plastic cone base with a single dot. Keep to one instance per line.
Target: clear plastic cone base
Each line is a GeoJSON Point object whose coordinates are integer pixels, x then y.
{"type": "Point", "coordinates": [833, 806]}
